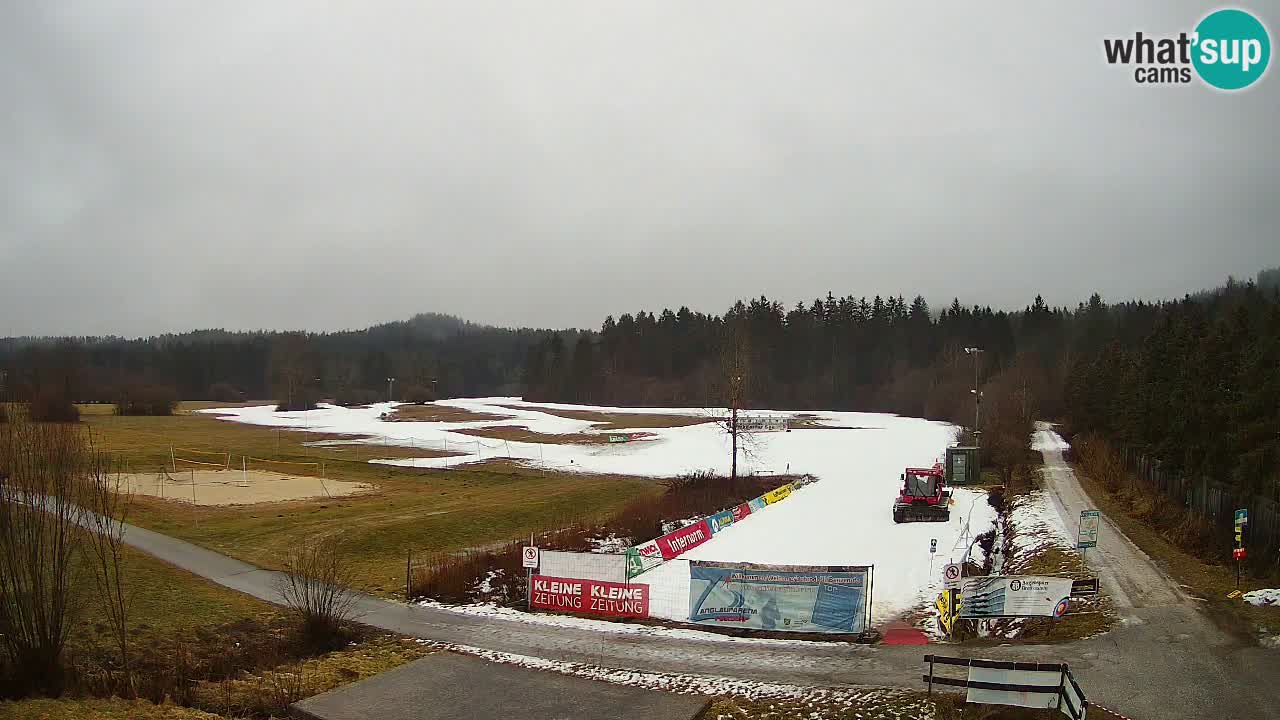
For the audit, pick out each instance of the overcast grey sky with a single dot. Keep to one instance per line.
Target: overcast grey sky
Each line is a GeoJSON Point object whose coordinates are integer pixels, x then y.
{"type": "Point", "coordinates": [173, 164]}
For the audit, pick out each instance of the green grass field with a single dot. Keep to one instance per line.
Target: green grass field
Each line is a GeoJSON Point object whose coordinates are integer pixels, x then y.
{"type": "Point", "coordinates": [419, 510]}
{"type": "Point", "coordinates": [165, 601]}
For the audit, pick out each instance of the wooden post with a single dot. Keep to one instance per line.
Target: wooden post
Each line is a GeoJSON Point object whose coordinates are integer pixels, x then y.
{"type": "Point", "coordinates": [408, 574]}
{"type": "Point", "coordinates": [930, 674]}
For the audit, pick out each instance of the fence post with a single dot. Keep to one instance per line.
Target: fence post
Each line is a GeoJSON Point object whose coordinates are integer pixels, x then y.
{"type": "Point", "coordinates": [408, 573]}
{"type": "Point", "coordinates": [1062, 688]}
{"type": "Point", "coordinates": [930, 674]}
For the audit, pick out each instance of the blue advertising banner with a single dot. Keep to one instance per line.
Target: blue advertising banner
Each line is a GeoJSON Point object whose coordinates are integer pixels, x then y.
{"type": "Point", "coordinates": [786, 598]}
{"type": "Point", "coordinates": [720, 520]}
{"type": "Point", "coordinates": [758, 503]}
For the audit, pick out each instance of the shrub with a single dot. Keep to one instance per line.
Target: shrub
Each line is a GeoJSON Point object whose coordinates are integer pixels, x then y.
{"type": "Point", "coordinates": [225, 392]}
{"type": "Point", "coordinates": [418, 395]}
{"type": "Point", "coordinates": [316, 585]}
{"type": "Point", "coordinates": [53, 406]}
{"type": "Point", "coordinates": [147, 400]}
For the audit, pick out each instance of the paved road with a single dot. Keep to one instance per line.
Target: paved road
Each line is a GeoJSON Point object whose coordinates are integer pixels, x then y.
{"type": "Point", "coordinates": [446, 686]}
{"type": "Point", "coordinates": [1164, 661]}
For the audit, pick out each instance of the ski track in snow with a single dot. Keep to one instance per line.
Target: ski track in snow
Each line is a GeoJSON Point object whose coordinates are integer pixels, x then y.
{"type": "Point", "coordinates": [845, 519]}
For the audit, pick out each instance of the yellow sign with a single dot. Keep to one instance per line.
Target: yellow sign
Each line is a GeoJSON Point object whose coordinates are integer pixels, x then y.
{"type": "Point", "coordinates": [1234, 594]}
{"type": "Point", "coordinates": [778, 494]}
{"type": "Point", "coordinates": [944, 605]}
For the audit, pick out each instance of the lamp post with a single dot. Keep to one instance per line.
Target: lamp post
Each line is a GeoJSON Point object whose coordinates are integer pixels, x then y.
{"type": "Point", "coordinates": [390, 384]}
{"type": "Point", "coordinates": [977, 393]}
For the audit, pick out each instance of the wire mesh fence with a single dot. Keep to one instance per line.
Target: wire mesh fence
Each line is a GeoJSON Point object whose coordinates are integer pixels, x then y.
{"type": "Point", "coordinates": [1216, 502]}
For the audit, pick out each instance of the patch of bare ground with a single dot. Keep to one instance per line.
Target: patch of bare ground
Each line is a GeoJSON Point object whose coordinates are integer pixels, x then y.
{"type": "Point", "coordinates": [809, 421]}
{"type": "Point", "coordinates": [187, 407]}
{"type": "Point", "coordinates": [432, 412]}
{"type": "Point", "coordinates": [622, 421]}
{"type": "Point", "coordinates": [360, 448]}
{"type": "Point", "coordinates": [237, 487]}
{"type": "Point", "coordinates": [523, 434]}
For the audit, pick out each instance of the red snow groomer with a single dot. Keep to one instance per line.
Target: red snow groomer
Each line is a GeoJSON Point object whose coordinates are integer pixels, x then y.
{"type": "Point", "coordinates": [924, 496]}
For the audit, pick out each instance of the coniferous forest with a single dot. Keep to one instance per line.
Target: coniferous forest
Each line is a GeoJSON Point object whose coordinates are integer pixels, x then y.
{"type": "Point", "coordinates": [1193, 382]}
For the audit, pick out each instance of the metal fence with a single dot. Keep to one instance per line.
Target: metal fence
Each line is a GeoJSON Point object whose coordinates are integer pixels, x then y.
{"type": "Point", "coordinates": [1216, 502]}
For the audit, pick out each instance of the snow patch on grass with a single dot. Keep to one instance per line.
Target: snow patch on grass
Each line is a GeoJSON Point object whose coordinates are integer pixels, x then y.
{"type": "Point", "coordinates": [907, 704]}
{"type": "Point", "coordinates": [1263, 598]}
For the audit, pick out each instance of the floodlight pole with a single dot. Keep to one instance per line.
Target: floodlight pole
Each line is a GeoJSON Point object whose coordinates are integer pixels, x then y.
{"type": "Point", "coordinates": [390, 384]}
{"type": "Point", "coordinates": [977, 393]}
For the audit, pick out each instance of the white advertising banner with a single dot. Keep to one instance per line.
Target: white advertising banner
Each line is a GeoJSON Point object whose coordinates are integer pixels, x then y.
{"type": "Point", "coordinates": [584, 566]}
{"type": "Point", "coordinates": [1014, 596]}
{"type": "Point", "coordinates": [1013, 682]}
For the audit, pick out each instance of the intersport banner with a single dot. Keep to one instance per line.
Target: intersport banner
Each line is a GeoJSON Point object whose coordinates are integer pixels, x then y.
{"type": "Point", "coordinates": [720, 520]}
{"type": "Point", "coordinates": [787, 598]}
{"type": "Point", "coordinates": [674, 544]}
{"type": "Point", "coordinates": [591, 597]}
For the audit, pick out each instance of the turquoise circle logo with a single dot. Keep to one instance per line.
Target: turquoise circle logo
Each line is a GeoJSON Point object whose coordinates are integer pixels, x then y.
{"type": "Point", "coordinates": [1232, 49]}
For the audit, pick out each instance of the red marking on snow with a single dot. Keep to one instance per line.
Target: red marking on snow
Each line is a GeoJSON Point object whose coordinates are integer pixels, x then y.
{"type": "Point", "coordinates": [900, 634]}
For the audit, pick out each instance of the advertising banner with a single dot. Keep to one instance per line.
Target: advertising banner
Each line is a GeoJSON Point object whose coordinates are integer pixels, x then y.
{"type": "Point", "coordinates": [741, 511]}
{"type": "Point", "coordinates": [788, 598]}
{"type": "Point", "coordinates": [761, 423]}
{"type": "Point", "coordinates": [1015, 596]}
{"type": "Point", "coordinates": [946, 604]}
{"type": "Point", "coordinates": [777, 494]}
{"type": "Point", "coordinates": [720, 520]}
{"type": "Point", "coordinates": [584, 566]}
{"type": "Point", "coordinates": [591, 597]}
{"type": "Point", "coordinates": [673, 544]}
{"type": "Point", "coordinates": [643, 557]}
{"type": "Point", "coordinates": [757, 503]}
{"type": "Point", "coordinates": [1017, 687]}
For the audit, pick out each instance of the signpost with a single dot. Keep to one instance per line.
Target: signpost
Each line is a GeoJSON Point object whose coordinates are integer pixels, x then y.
{"type": "Point", "coordinates": [933, 548]}
{"type": "Point", "coordinates": [1241, 520]}
{"type": "Point", "coordinates": [1084, 586]}
{"type": "Point", "coordinates": [1088, 535]}
{"type": "Point", "coordinates": [529, 560]}
{"type": "Point", "coordinates": [951, 576]}
{"type": "Point", "coordinates": [529, 557]}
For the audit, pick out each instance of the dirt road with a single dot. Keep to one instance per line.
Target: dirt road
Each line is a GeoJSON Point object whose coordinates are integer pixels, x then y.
{"type": "Point", "coordinates": [1126, 573]}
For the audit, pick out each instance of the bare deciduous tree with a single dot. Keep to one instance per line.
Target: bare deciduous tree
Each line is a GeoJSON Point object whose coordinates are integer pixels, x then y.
{"type": "Point", "coordinates": [316, 585]}
{"type": "Point", "coordinates": [731, 389]}
{"type": "Point", "coordinates": [41, 528]}
{"type": "Point", "coordinates": [107, 503]}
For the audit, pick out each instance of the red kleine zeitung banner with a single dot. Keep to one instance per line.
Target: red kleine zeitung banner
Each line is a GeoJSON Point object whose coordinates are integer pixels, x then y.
{"type": "Point", "coordinates": [590, 597]}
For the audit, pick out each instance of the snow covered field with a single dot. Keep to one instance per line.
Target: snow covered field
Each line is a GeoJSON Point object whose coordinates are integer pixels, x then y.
{"type": "Point", "coordinates": [844, 519]}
